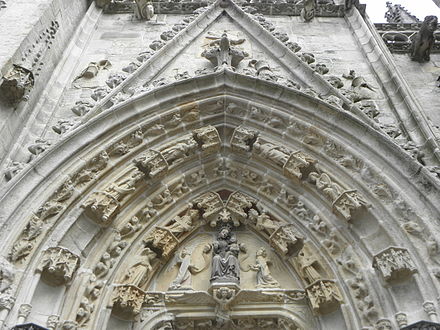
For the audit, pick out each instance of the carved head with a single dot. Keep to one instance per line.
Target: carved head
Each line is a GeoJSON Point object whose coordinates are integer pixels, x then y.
{"type": "Point", "coordinates": [261, 252]}
{"type": "Point", "coordinates": [430, 23]}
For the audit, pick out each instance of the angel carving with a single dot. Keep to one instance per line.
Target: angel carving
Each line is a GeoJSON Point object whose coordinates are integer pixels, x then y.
{"type": "Point", "coordinates": [186, 270]}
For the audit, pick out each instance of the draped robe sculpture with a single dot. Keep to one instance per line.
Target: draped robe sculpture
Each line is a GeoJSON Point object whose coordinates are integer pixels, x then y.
{"type": "Point", "coordinates": [225, 265]}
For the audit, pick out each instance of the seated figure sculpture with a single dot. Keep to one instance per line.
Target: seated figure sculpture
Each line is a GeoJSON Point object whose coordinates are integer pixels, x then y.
{"type": "Point", "coordinates": [225, 265]}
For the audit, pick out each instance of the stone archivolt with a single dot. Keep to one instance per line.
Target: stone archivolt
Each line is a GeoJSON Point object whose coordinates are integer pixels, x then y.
{"type": "Point", "coordinates": [109, 203]}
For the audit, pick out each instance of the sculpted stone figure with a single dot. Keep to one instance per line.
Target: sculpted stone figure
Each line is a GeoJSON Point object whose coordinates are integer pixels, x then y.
{"type": "Point", "coordinates": [424, 40]}
{"type": "Point", "coordinates": [308, 12]}
{"type": "Point", "coordinates": [223, 54]}
{"type": "Point", "coordinates": [143, 9]}
{"type": "Point", "coordinates": [264, 277]}
{"type": "Point", "coordinates": [278, 154]}
{"type": "Point", "coordinates": [323, 182]}
{"type": "Point", "coordinates": [186, 270]}
{"type": "Point", "coordinates": [185, 223]}
{"type": "Point", "coordinates": [138, 273]}
{"type": "Point", "coordinates": [225, 265]}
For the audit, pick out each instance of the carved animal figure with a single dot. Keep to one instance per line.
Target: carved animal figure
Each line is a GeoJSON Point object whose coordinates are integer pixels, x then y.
{"type": "Point", "coordinates": [422, 44]}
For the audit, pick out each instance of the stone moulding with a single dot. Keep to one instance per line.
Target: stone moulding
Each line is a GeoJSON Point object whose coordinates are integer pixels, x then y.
{"type": "Point", "coordinates": [268, 8]}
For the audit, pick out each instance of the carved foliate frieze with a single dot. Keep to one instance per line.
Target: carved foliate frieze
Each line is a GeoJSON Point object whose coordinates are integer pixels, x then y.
{"type": "Point", "coordinates": [394, 264]}
{"type": "Point", "coordinates": [58, 265]}
{"type": "Point", "coordinates": [127, 301]}
{"type": "Point", "coordinates": [324, 296]}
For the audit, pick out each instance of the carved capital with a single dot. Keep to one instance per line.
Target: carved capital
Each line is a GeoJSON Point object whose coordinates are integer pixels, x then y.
{"type": "Point", "coordinates": [394, 264]}
{"type": "Point", "coordinates": [401, 319]}
{"type": "Point", "coordinates": [324, 296]}
{"type": "Point", "coordinates": [58, 265]}
{"type": "Point", "coordinates": [127, 301]}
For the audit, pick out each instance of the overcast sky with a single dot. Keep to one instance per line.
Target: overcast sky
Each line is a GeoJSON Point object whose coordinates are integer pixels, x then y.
{"type": "Point", "coordinates": [420, 8]}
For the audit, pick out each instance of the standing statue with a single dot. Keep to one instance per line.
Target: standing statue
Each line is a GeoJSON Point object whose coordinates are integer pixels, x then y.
{"type": "Point", "coordinates": [225, 250]}
{"type": "Point", "coordinates": [264, 277]}
{"type": "Point", "coordinates": [138, 273]}
{"type": "Point", "coordinates": [424, 40]}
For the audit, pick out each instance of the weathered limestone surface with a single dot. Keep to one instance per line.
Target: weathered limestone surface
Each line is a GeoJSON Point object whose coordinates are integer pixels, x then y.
{"type": "Point", "coordinates": [217, 168]}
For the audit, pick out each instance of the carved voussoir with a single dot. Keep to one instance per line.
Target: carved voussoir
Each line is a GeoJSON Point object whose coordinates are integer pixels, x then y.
{"type": "Point", "coordinates": [163, 241]}
{"type": "Point", "coordinates": [238, 204]}
{"type": "Point", "coordinates": [103, 206]}
{"type": "Point", "coordinates": [394, 264]}
{"type": "Point", "coordinates": [324, 296]}
{"type": "Point", "coordinates": [58, 266]}
{"type": "Point", "coordinates": [348, 202]}
{"type": "Point", "coordinates": [242, 139]}
{"type": "Point", "coordinates": [208, 138]}
{"type": "Point", "coordinates": [152, 163]}
{"type": "Point", "coordinates": [210, 205]}
{"type": "Point", "coordinates": [286, 241]}
{"type": "Point", "coordinates": [299, 165]}
{"type": "Point", "coordinates": [127, 301]}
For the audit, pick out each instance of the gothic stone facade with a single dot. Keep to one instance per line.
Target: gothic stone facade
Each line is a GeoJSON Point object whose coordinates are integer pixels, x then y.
{"type": "Point", "coordinates": [218, 164]}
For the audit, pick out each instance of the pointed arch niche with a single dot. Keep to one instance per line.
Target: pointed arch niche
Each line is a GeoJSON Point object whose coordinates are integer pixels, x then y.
{"type": "Point", "coordinates": [324, 193]}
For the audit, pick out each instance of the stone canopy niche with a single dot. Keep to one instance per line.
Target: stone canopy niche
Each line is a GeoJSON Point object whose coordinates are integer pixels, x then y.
{"type": "Point", "coordinates": [58, 266]}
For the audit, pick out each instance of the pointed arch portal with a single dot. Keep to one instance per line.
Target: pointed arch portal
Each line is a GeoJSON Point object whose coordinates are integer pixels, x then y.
{"type": "Point", "coordinates": [127, 234]}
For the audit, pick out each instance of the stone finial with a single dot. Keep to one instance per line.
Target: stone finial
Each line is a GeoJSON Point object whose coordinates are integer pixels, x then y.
{"type": "Point", "coordinates": [58, 265]}
{"type": "Point", "coordinates": [394, 264]}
